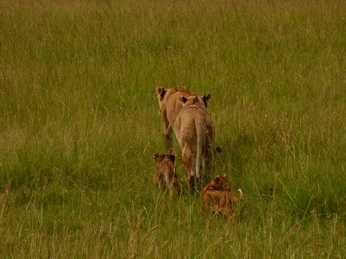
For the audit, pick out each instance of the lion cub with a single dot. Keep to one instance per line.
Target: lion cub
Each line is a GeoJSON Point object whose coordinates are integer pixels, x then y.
{"type": "Point", "coordinates": [218, 197]}
{"type": "Point", "coordinates": [165, 175]}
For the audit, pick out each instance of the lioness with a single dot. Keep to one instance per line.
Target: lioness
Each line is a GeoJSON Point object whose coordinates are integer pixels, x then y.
{"type": "Point", "coordinates": [165, 175]}
{"type": "Point", "coordinates": [195, 133]}
{"type": "Point", "coordinates": [218, 197]}
{"type": "Point", "coordinates": [170, 106]}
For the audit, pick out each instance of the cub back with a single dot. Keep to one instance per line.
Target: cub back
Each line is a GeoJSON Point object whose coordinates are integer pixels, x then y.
{"type": "Point", "coordinates": [165, 175]}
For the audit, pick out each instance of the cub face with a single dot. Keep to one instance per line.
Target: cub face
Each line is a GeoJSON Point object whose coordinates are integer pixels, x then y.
{"type": "Point", "coordinates": [164, 159]}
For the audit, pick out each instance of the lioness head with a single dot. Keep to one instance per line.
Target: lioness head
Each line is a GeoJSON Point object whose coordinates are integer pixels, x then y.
{"type": "Point", "coordinates": [167, 99]}
{"type": "Point", "coordinates": [161, 92]}
{"type": "Point", "coordinates": [218, 183]}
{"type": "Point", "coordinates": [196, 100]}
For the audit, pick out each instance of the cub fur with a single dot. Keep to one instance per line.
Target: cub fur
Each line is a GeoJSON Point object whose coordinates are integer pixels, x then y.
{"type": "Point", "coordinates": [219, 183]}
{"type": "Point", "coordinates": [218, 197]}
{"type": "Point", "coordinates": [170, 107]}
{"type": "Point", "coordinates": [165, 175]}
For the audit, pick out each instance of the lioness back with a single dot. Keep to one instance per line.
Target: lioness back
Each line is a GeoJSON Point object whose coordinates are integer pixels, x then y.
{"type": "Point", "coordinates": [170, 107]}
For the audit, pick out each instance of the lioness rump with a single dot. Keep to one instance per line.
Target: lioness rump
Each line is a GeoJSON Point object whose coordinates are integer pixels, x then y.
{"type": "Point", "coordinates": [165, 175]}
{"type": "Point", "coordinates": [170, 107]}
{"type": "Point", "coordinates": [218, 196]}
{"type": "Point", "coordinates": [195, 133]}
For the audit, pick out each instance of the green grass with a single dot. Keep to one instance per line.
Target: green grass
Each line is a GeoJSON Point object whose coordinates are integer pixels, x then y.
{"type": "Point", "coordinates": [80, 123]}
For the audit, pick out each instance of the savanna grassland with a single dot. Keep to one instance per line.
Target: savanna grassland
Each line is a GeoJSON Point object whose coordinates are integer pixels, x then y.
{"type": "Point", "coordinates": [80, 123]}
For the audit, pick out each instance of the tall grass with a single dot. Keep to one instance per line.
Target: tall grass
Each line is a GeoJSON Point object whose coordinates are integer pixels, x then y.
{"type": "Point", "coordinates": [79, 125]}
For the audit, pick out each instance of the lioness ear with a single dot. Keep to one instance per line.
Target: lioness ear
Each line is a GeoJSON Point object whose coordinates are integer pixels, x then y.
{"type": "Point", "coordinates": [224, 175]}
{"type": "Point", "coordinates": [156, 156]}
{"type": "Point", "coordinates": [183, 99]}
{"type": "Point", "coordinates": [206, 98]}
{"type": "Point", "coordinates": [217, 179]}
{"type": "Point", "coordinates": [172, 158]}
{"type": "Point", "coordinates": [160, 92]}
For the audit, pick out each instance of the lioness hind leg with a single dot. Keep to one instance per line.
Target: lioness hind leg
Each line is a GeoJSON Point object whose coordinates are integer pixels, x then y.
{"type": "Point", "coordinates": [210, 152]}
{"type": "Point", "coordinates": [188, 165]}
{"type": "Point", "coordinates": [168, 139]}
{"type": "Point", "coordinates": [210, 155]}
{"type": "Point", "coordinates": [192, 182]}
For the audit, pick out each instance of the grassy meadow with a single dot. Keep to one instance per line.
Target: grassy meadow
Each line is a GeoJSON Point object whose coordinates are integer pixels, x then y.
{"type": "Point", "coordinates": [80, 123]}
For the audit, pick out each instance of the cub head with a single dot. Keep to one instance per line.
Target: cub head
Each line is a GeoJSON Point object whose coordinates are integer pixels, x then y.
{"type": "Point", "coordinates": [164, 159]}
{"type": "Point", "coordinates": [218, 183]}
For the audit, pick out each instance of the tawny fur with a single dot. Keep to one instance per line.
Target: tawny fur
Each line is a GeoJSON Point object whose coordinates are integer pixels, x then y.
{"type": "Point", "coordinates": [195, 133]}
{"type": "Point", "coordinates": [165, 175]}
{"type": "Point", "coordinates": [218, 183]}
{"type": "Point", "coordinates": [218, 197]}
{"type": "Point", "coordinates": [170, 107]}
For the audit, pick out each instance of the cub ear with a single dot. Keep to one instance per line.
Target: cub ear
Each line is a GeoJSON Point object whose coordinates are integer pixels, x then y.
{"type": "Point", "coordinates": [224, 175]}
{"type": "Point", "coordinates": [156, 156]}
{"type": "Point", "coordinates": [217, 179]}
{"type": "Point", "coordinates": [160, 92]}
{"type": "Point", "coordinates": [172, 158]}
{"type": "Point", "coordinates": [206, 98]}
{"type": "Point", "coordinates": [183, 99]}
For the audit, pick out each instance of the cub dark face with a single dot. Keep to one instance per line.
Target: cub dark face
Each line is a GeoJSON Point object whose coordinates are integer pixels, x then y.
{"type": "Point", "coordinates": [159, 158]}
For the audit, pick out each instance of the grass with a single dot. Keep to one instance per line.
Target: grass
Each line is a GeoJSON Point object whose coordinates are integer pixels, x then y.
{"type": "Point", "coordinates": [79, 125]}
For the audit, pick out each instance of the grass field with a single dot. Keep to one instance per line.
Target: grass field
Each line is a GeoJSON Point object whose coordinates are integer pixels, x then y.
{"type": "Point", "coordinates": [80, 123]}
